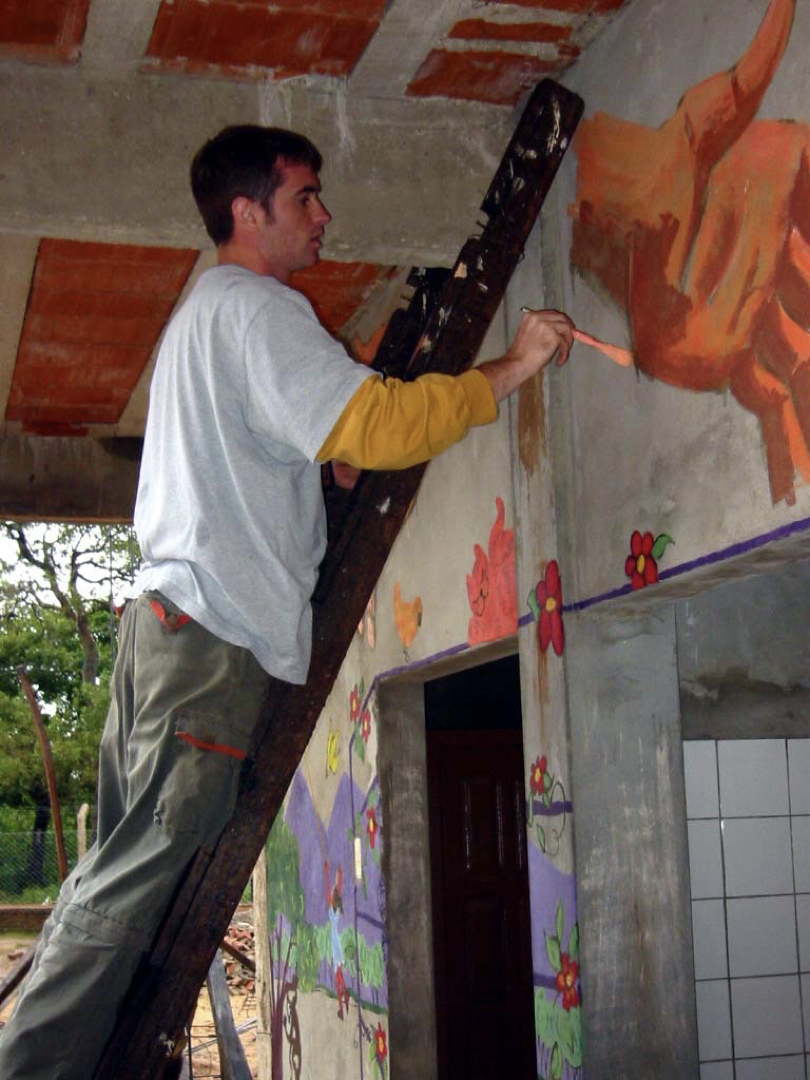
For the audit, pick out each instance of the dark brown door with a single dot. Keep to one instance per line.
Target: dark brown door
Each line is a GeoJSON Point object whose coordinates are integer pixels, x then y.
{"type": "Point", "coordinates": [484, 983]}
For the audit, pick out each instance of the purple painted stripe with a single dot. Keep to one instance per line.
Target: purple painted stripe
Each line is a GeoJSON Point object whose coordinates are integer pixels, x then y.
{"type": "Point", "coordinates": [554, 810]}
{"type": "Point", "coordinates": [730, 552]}
{"type": "Point", "coordinates": [548, 982]}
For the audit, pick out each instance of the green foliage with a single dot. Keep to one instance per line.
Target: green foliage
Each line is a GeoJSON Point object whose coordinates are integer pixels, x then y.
{"type": "Point", "coordinates": [47, 646]}
{"type": "Point", "coordinates": [371, 964]}
{"type": "Point", "coordinates": [55, 621]}
{"type": "Point", "coordinates": [555, 1027]}
{"type": "Point", "coordinates": [286, 901]}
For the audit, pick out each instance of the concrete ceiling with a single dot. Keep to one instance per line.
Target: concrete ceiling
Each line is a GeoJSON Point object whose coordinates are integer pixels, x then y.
{"type": "Point", "coordinates": [103, 103]}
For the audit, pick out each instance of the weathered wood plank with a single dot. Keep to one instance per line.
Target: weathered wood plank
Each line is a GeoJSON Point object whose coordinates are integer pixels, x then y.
{"type": "Point", "coordinates": [453, 332]}
{"type": "Point", "coordinates": [232, 1061]}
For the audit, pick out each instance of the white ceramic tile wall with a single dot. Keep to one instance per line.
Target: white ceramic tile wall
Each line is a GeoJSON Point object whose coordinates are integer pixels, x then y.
{"type": "Point", "coordinates": [717, 1070]}
{"type": "Point", "coordinates": [780, 1068]}
{"type": "Point", "coordinates": [799, 759]}
{"type": "Point", "coordinates": [700, 777]}
{"type": "Point", "coordinates": [748, 811]}
{"type": "Point", "coordinates": [753, 777]}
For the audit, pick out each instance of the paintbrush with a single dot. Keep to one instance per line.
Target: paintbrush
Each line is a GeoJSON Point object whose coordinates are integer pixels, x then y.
{"type": "Point", "coordinates": [620, 356]}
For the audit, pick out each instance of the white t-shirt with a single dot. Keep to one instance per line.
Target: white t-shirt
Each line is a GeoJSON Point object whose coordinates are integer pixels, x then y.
{"type": "Point", "coordinates": [229, 513]}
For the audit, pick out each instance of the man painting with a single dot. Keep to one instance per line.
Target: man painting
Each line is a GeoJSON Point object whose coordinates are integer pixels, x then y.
{"type": "Point", "coordinates": [250, 395]}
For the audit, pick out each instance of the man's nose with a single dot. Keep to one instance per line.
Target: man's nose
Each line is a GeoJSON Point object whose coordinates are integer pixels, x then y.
{"type": "Point", "coordinates": [322, 215]}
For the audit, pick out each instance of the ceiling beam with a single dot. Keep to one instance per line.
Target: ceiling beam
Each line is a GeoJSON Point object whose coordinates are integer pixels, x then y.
{"type": "Point", "coordinates": [68, 479]}
{"type": "Point", "coordinates": [103, 154]}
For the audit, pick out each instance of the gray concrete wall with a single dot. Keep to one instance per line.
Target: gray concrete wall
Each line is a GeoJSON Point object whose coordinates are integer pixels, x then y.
{"type": "Point", "coordinates": [631, 848]}
{"type": "Point", "coordinates": [743, 658]}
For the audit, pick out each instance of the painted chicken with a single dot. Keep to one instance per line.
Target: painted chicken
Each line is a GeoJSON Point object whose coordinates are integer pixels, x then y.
{"type": "Point", "coordinates": [700, 231]}
{"type": "Point", "coordinates": [408, 616]}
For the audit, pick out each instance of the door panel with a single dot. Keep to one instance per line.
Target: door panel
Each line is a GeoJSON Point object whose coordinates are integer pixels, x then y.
{"type": "Point", "coordinates": [485, 1013]}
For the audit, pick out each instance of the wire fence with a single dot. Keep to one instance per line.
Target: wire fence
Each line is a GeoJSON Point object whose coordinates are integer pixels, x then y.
{"type": "Point", "coordinates": [29, 869]}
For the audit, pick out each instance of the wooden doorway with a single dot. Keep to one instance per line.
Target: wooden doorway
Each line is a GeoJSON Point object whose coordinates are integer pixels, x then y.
{"type": "Point", "coordinates": [479, 875]}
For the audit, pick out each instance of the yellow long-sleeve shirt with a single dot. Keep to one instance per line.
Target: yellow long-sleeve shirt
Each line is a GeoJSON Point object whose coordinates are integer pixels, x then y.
{"type": "Point", "coordinates": [390, 424]}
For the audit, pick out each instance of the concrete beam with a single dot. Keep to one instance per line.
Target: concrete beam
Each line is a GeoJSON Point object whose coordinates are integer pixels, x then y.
{"type": "Point", "coordinates": [68, 479]}
{"type": "Point", "coordinates": [18, 256]}
{"type": "Point", "coordinates": [118, 33]}
{"type": "Point", "coordinates": [630, 843]}
{"type": "Point", "coordinates": [103, 154]}
{"type": "Point", "coordinates": [406, 36]}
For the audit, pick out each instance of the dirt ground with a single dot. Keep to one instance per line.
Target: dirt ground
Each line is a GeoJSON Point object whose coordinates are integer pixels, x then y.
{"type": "Point", "coordinates": [205, 1057]}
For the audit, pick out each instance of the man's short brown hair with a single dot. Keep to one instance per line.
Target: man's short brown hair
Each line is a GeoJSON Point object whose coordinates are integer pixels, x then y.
{"type": "Point", "coordinates": [246, 160]}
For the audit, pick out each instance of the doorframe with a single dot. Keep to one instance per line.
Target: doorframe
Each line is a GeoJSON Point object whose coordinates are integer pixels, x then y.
{"type": "Point", "coordinates": [408, 915]}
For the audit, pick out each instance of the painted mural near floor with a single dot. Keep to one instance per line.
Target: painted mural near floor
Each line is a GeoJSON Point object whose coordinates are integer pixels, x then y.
{"type": "Point", "coordinates": [326, 921]}
{"type": "Point", "coordinates": [699, 230]}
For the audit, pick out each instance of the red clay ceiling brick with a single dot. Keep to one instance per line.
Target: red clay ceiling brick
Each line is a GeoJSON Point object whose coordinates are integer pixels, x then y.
{"type": "Point", "coordinates": [338, 289]}
{"type": "Point", "coordinates": [50, 30]}
{"type": "Point", "coordinates": [498, 78]}
{"type": "Point", "coordinates": [234, 38]}
{"type": "Point", "coordinates": [481, 30]}
{"type": "Point", "coordinates": [95, 312]}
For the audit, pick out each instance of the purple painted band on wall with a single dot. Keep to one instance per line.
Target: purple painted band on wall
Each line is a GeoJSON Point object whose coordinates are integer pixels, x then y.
{"type": "Point", "coordinates": [554, 810]}
{"type": "Point", "coordinates": [730, 552]}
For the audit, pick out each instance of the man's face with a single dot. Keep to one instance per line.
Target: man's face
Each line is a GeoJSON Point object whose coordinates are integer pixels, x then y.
{"type": "Point", "coordinates": [291, 234]}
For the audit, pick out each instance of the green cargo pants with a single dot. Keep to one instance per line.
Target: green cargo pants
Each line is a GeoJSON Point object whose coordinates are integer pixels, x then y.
{"type": "Point", "coordinates": [183, 708]}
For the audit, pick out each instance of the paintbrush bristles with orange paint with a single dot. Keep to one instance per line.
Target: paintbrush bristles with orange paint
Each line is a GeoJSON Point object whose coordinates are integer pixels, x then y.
{"type": "Point", "coordinates": [620, 356]}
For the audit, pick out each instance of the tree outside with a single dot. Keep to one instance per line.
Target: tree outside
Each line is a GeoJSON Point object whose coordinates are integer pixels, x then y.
{"type": "Point", "coordinates": [56, 587]}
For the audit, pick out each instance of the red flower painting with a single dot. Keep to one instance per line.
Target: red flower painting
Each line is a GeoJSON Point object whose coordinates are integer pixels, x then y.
{"type": "Point", "coordinates": [365, 725]}
{"type": "Point", "coordinates": [641, 565]}
{"type": "Point", "coordinates": [546, 605]}
{"type": "Point", "coordinates": [372, 827]}
{"type": "Point", "coordinates": [380, 1044]}
{"type": "Point", "coordinates": [567, 982]}
{"type": "Point", "coordinates": [354, 704]}
{"type": "Point", "coordinates": [537, 780]}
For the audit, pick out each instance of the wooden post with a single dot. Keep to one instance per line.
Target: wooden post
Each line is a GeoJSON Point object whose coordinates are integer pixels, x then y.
{"type": "Point", "coordinates": [232, 1061]}
{"type": "Point", "coordinates": [50, 772]}
{"type": "Point", "coordinates": [81, 830]}
{"type": "Point", "coordinates": [166, 986]}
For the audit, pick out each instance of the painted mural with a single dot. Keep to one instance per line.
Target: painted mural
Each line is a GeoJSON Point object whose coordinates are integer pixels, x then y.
{"type": "Point", "coordinates": [325, 919]}
{"type": "Point", "coordinates": [491, 584]}
{"type": "Point", "coordinates": [699, 230]}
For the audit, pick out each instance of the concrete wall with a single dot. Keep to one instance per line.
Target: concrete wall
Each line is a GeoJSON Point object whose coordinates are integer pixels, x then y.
{"type": "Point", "coordinates": [651, 245]}
{"type": "Point", "coordinates": [701, 446]}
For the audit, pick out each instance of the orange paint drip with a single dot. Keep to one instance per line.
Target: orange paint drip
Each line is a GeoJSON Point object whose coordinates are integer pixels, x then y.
{"type": "Point", "coordinates": [622, 357]}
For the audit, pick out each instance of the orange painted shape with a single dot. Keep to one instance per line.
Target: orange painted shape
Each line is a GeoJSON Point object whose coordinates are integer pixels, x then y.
{"type": "Point", "coordinates": [491, 585]}
{"type": "Point", "coordinates": [42, 29]}
{"type": "Point", "coordinates": [197, 36]}
{"type": "Point", "coordinates": [498, 78]}
{"type": "Point", "coordinates": [95, 313]}
{"type": "Point", "coordinates": [407, 616]}
{"type": "Point", "coordinates": [482, 30]}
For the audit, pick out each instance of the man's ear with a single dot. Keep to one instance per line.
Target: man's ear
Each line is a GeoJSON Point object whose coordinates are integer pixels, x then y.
{"type": "Point", "coordinates": [244, 212]}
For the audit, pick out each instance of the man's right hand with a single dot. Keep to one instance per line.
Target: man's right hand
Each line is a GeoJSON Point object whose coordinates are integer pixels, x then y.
{"type": "Point", "coordinates": [540, 337]}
